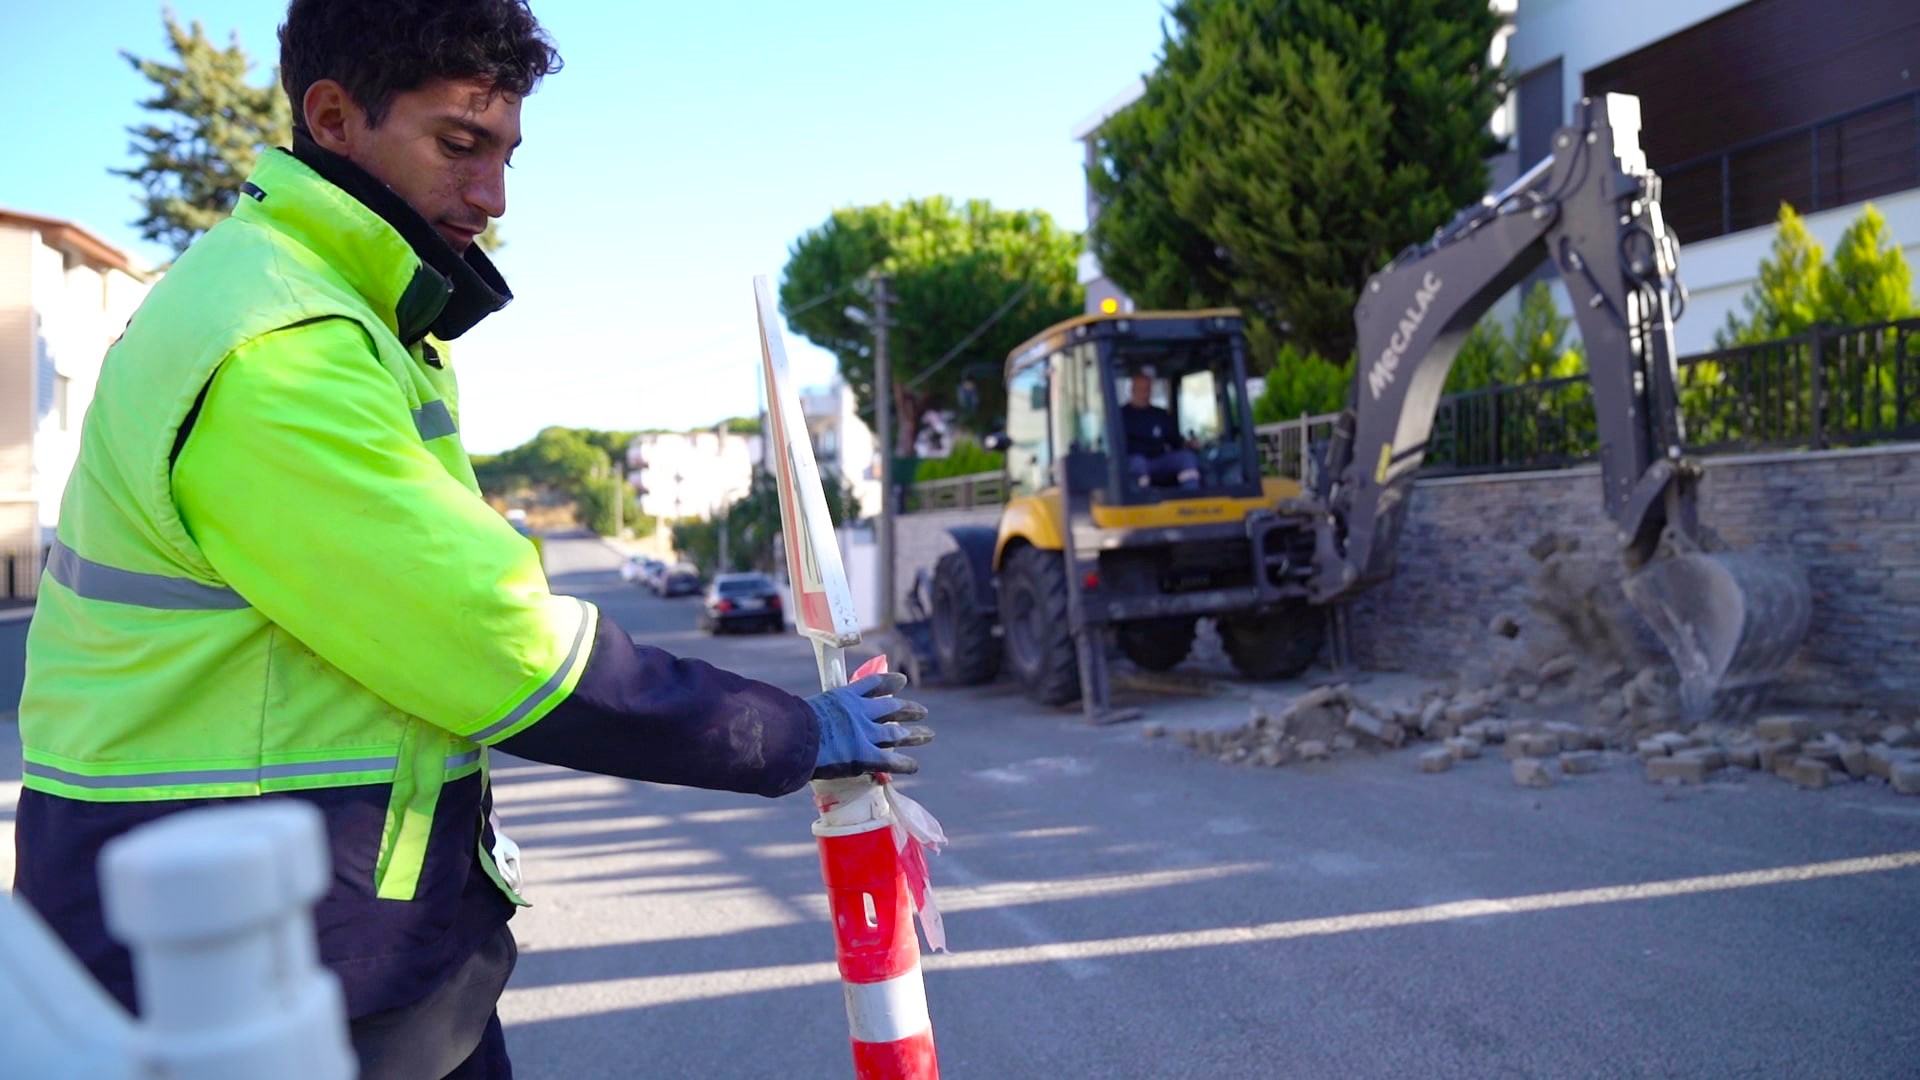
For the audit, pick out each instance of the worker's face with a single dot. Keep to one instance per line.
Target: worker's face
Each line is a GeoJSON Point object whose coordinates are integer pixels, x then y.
{"type": "Point", "coordinates": [444, 148]}
{"type": "Point", "coordinates": [1142, 389]}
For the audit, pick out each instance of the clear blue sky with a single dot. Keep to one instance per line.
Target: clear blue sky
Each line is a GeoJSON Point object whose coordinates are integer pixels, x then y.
{"type": "Point", "coordinates": [685, 146]}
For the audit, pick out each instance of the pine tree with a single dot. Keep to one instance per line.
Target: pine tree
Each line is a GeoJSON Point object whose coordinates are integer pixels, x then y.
{"type": "Point", "coordinates": [210, 127]}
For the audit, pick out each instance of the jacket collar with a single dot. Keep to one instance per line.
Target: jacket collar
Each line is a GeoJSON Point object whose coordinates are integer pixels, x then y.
{"type": "Point", "coordinates": [368, 234]}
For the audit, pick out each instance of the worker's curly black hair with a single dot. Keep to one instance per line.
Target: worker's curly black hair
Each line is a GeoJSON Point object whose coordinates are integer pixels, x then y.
{"type": "Point", "coordinates": [379, 48]}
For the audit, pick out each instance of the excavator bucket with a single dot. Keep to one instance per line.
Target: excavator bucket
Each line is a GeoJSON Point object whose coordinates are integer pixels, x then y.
{"type": "Point", "coordinates": [1731, 621]}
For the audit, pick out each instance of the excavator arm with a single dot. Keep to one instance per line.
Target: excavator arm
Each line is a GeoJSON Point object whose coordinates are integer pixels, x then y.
{"type": "Point", "coordinates": [1592, 208]}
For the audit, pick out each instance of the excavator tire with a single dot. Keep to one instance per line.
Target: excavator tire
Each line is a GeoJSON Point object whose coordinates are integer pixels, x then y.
{"type": "Point", "coordinates": [963, 639]}
{"type": "Point", "coordinates": [1039, 636]}
{"type": "Point", "coordinates": [1157, 644]}
{"type": "Point", "coordinates": [1273, 645]}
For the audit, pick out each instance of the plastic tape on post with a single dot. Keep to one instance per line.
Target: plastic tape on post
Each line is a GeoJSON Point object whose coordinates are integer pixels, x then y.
{"type": "Point", "coordinates": [879, 955]}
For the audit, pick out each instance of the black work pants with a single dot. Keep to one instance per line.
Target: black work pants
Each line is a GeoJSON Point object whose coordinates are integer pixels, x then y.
{"type": "Point", "coordinates": [452, 1033]}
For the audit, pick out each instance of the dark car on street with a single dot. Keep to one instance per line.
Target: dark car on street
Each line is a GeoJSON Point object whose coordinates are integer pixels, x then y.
{"type": "Point", "coordinates": [682, 580]}
{"type": "Point", "coordinates": [742, 602]}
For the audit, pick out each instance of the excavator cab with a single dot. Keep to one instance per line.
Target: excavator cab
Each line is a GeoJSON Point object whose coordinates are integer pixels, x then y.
{"type": "Point", "coordinates": [1151, 410]}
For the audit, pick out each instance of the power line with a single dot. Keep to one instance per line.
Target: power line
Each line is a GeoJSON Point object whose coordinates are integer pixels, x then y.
{"type": "Point", "coordinates": [1000, 312]}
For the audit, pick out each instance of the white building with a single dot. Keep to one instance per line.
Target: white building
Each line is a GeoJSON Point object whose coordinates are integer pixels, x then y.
{"type": "Point", "coordinates": [691, 474]}
{"type": "Point", "coordinates": [1743, 106]}
{"type": "Point", "coordinates": [65, 296]}
{"type": "Point", "coordinates": [843, 444]}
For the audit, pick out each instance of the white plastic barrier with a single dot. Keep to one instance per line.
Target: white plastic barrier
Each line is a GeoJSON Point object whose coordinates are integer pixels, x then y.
{"type": "Point", "coordinates": [217, 907]}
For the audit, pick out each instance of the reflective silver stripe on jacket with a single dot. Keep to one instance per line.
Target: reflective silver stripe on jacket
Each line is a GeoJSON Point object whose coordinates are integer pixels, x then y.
{"type": "Point", "coordinates": [97, 581]}
{"type": "Point", "coordinates": [546, 688]}
{"type": "Point", "coordinates": [232, 776]}
{"type": "Point", "coordinates": [433, 421]}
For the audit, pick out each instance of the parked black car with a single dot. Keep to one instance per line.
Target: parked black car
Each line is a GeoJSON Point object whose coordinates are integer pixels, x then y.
{"type": "Point", "coordinates": [742, 601]}
{"type": "Point", "coordinates": [682, 580]}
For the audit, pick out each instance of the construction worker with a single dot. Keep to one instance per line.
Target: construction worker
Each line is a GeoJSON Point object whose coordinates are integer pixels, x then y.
{"type": "Point", "coordinates": [1156, 453]}
{"type": "Point", "coordinates": [274, 574]}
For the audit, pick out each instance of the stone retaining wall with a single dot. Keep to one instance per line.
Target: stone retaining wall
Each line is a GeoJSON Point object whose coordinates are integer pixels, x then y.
{"type": "Point", "coordinates": [1849, 518]}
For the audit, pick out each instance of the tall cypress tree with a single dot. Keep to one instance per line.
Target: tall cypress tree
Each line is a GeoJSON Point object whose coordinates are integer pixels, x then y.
{"type": "Point", "coordinates": [1286, 149]}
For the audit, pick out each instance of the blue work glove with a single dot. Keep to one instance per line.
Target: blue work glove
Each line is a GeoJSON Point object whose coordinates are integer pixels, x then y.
{"type": "Point", "coordinates": [860, 721]}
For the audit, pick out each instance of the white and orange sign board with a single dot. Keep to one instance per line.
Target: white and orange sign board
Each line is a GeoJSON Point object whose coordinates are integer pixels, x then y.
{"type": "Point", "coordinates": [823, 603]}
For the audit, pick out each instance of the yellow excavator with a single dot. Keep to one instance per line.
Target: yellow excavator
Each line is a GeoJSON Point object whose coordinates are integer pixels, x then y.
{"type": "Point", "coordinates": [1137, 503]}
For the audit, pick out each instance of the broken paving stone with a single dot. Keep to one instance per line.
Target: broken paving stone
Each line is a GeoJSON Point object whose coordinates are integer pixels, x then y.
{"type": "Point", "coordinates": [1823, 752]}
{"type": "Point", "coordinates": [1610, 708]}
{"type": "Point", "coordinates": [1775, 751]}
{"type": "Point", "coordinates": [1906, 778]}
{"type": "Point", "coordinates": [1312, 750]}
{"type": "Point", "coordinates": [1344, 742]}
{"type": "Point", "coordinates": [1853, 758]}
{"type": "Point", "coordinates": [1714, 757]}
{"type": "Point", "coordinates": [1686, 770]}
{"type": "Point", "coordinates": [1558, 668]}
{"type": "Point", "coordinates": [1313, 699]}
{"type": "Point", "coordinates": [1531, 772]}
{"type": "Point", "coordinates": [1463, 748]}
{"type": "Point", "coordinates": [1152, 731]}
{"type": "Point", "coordinates": [1809, 773]}
{"type": "Point", "coordinates": [1487, 731]}
{"type": "Point", "coordinates": [1573, 736]}
{"type": "Point", "coordinates": [1783, 726]}
{"type": "Point", "coordinates": [1746, 755]}
{"type": "Point", "coordinates": [1899, 736]}
{"type": "Point", "coordinates": [1653, 748]}
{"type": "Point", "coordinates": [1575, 762]}
{"type": "Point", "coordinates": [1187, 737]}
{"type": "Point", "coordinates": [1271, 756]}
{"type": "Point", "coordinates": [1436, 761]}
{"type": "Point", "coordinates": [1882, 760]}
{"type": "Point", "coordinates": [1533, 744]}
{"type": "Point", "coordinates": [1466, 711]}
{"type": "Point", "coordinates": [1644, 689]}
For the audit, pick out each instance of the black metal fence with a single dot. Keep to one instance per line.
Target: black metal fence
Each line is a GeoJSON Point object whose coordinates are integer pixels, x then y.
{"type": "Point", "coordinates": [1827, 387]}
{"type": "Point", "coordinates": [1857, 155]}
{"type": "Point", "coordinates": [20, 572]}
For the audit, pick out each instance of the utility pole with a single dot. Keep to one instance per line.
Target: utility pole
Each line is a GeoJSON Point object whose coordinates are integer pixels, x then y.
{"type": "Point", "coordinates": [619, 501]}
{"type": "Point", "coordinates": [883, 420]}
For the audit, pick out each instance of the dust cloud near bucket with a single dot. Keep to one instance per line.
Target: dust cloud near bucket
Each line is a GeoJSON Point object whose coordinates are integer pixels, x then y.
{"type": "Point", "coordinates": [1730, 620]}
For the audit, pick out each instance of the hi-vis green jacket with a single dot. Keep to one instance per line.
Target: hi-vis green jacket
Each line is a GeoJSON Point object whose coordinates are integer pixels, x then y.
{"type": "Point", "coordinates": [274, 575]}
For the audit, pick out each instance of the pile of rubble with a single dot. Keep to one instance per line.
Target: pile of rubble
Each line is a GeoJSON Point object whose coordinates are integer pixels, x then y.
{"type": "Point", "coordinates": [1570, 685]}
{"type": "Point", "coordinates": [1336, 720]}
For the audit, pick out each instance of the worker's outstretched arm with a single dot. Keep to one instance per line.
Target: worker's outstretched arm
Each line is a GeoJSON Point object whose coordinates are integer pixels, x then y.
{"type": "Point", "coordinates": [337, 523]}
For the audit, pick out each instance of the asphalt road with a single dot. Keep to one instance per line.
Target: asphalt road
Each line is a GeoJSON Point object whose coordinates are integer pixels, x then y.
{"type": "Point", "coordinates": [1118, 908]}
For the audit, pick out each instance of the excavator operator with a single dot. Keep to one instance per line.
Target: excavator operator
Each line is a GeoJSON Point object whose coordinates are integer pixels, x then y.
{"type": "Point", "coordinates": [1156, 454]}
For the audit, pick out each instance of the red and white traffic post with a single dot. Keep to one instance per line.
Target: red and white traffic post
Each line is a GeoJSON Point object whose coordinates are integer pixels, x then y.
{"type": "Point", "coordinates": [869, 836]}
